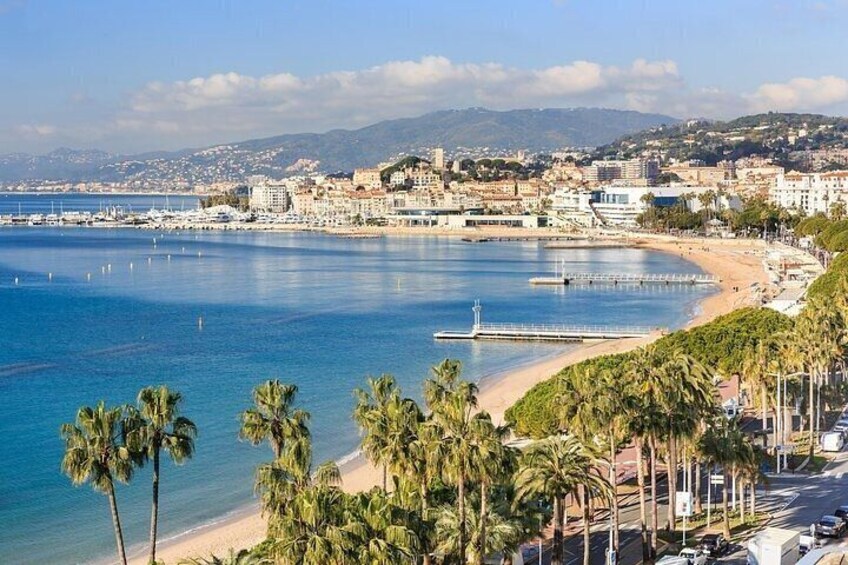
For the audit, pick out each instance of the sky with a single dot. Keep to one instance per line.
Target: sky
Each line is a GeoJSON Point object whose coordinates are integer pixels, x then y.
{"type": "Point", "coordinates": [130, 77]}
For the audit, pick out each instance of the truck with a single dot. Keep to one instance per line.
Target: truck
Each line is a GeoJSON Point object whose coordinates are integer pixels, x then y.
{"type": "Point", "coordinates": [774, 546]}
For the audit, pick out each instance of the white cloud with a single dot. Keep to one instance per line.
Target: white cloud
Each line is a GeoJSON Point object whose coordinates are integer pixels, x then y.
{"type": "Point", "coordinates": [805, 94]}
{"type": "Point", "coordinates": [36, 130]}
{"type": "Point", "coordinates": [285, 102]}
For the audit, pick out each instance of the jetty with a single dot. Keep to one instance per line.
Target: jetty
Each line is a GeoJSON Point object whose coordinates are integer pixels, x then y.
{"type": "Point", "coordinates": [542, 332]}
{"type": "Point", "coordinates": [562, 277]}
{"type": "Point", "coordinates": [625, 278]}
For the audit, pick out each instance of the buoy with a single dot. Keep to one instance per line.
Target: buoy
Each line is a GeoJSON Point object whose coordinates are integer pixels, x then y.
{"type": "Point", "coordinates": [103, 270]}
{"type": "Point", "coordinates": [169, 256]}
{"type": "Point", "coordinates": [109, 267]}
{"type": "Point", "coordinates": [131, 266]}
{"type": "Point", "coordinates": [88, 276]}
{"type": "Point", "coordinates": [198, 253]}
{"type": "Point", "coordinates": [200, 322]}
{"type": "Point", "coordinates": [50, 276]}
{"type": "Point", "coordinates": [16, 281]}
{"type": "Point", "coordinates": [182, 250]}
{"type": "Point", "coordinates": [149, 260]}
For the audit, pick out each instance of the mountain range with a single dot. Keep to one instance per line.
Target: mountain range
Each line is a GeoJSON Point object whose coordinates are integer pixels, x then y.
{"type": "Point", "coordinates": [468, 133]}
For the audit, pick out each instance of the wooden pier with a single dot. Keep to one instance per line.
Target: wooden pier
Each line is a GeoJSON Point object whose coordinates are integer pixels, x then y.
{"type": "Point", "coordinates": [625, 278]}
{"type": "Point", "coordinates": [543, 332]}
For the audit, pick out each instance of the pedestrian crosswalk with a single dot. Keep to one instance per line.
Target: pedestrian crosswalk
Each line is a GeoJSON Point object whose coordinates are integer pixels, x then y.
{"type": "Point", "coordinates": [833, 474]}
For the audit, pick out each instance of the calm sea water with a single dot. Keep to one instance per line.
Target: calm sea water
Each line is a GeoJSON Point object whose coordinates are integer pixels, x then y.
{"type": "Point", "coordinates": [315, 310]}
{"type": "Point", "coordinates": [47, 203]}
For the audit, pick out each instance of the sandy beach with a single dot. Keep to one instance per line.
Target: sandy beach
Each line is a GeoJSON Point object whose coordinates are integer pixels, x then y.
{"type": "Point", "coordinates": [739, 265]}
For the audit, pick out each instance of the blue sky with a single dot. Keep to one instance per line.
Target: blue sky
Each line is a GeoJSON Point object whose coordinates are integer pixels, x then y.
{"type": "Point", "coordinates": [139, 76]}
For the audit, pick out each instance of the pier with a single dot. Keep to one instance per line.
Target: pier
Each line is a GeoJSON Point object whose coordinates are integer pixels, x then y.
{"type": "Point", "coordinates": [624, 278]}
{"type": "Point", "coordinates": [542, 332]}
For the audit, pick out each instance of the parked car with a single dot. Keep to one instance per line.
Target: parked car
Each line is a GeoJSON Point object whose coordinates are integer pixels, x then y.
{"type": "Point", "coordinates": [842, 512]}
{"type": "Point", "coordinates": [714, 545]}
{"type": "Point", "coordinates": [842, 427]}
{"type": "Point", "coordinates": [830, 526]}
{"type": "Point", "coordinates": [695, 556]}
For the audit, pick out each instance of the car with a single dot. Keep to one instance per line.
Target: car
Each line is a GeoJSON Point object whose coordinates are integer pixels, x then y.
{"type": "Point", "coordinates": [714, 545]}
{"type": "Point", "coordinates": [830, 526]}
{"type": "Point", "coordinates": [842, 512]}
{"type": "Point", "coordinates": [694, 556]}
{"type": "Point", "coordinates": [842, 427]}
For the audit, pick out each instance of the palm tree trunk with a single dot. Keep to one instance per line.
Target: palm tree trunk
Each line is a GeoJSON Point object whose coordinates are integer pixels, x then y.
{"type": "Point", "coordinates": [116, 522]}
{"type": "Point", "coordinates": [654, 520]}
{"type": "Point", "coordinates": [724, 505]}
{"type": "Point", "coordinates": [586, 533]}
{"type": "Point", "coordinates": [671, 470]}
{"type": "Point", "coordinates": [154, 513]}
{"type": "Point", "coordinates": [812, 409]}
{"type": "Point", "coordinates": [385, 478]}
{"type": "Point", "coordinates": [742, 500]}
{"type": "Point", "coordinates": [734, 474]}
{"type": "Point", "coordinates": [484, 509]}
{"type": "Point", "coordinates": [753, 500]}
{"type": "Point", "coordinates": [425, 558]}
{"type": "Point", "coordinates": [461, 497]}
{"type": "Point", "coordinates": [763, 399]}
{"type": "Point", "coordinates": [643, 516]}
{"type": "Point", "coordinates": [697, 483]}
{"type": "Point", "coordinates": [614, 501]}
{"type": "Point", "coordinates": [556, 550]}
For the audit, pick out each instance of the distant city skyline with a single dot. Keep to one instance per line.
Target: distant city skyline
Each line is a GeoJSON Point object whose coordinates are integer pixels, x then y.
{"type": "Point", "coordinates": [163, 76]}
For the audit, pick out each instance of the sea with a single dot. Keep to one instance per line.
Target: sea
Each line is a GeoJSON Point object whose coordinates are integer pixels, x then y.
{"type": "Point", "coordinates": [89, 314]}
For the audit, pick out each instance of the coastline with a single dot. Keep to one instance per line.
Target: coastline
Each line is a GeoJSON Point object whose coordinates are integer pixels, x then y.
{"type": "Point", "coordinates": [738, 263]}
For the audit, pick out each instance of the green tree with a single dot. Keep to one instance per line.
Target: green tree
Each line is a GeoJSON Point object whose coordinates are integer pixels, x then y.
{"type": "Point", "coordinates": [157, 426]}
{"type": "Point", "coordinates": [555, 467]}
{"type": "Point", "coordinates": [273, 418]}
{"type": "Point", "coordinates": [383, 531]}
{"type": "Point", "coordinates": [96, 453]}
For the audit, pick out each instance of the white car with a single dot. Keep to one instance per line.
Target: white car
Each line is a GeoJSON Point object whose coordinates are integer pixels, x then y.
{"type": "Point", "coordinates": [694, 556]}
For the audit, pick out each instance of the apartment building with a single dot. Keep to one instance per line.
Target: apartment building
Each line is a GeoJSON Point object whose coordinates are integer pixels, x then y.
{"type": "Point", "coordinates": [812, 193]}
{"type": "Point", "coordinates": [368, 178]}
{"type": "Point", "coordinates": [269, 198]}
{"type": "Point", "coordinates": [632, 169]}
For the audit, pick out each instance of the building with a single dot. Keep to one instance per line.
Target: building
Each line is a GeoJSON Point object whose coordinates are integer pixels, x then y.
{"type": "Point", "coordinates": [438, 158]}
{"type": "Point", "coordinates": [811, 193]}
{"type": "Point", "coordinates": [368, 178]}
{"type": "Point", "coordinates": [700, 175]}
{"type": "Point", "coordinates": [632, 169]}
{"type": "Point", "coordinates": [269, 198]}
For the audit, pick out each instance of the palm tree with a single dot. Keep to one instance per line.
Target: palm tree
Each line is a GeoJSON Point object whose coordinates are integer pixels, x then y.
{"type": "Point", "coordinates": [388, 423]}
{"type": "Point", "coordinates": [489, 535]}
{"type": "Point", "coordinates": [383, 530]}
{"type": "Point", "coordinates": [724, 444]}
{"type": "Point", "coordinates": [818, 334]}
{"type": "Point", "coordinates": [554, 468]}
{"type": "Point", "coordinates": [757, 373]}
{"type": "Point", "coordinates": [421, 466]}
{"type": "Point", "coordinates": [491, 462]}
{"type": "Point", "coordinates": [314, 529]}
{"type": "Point", "coordinates": [155, 426]}
{"type": "Point", "coordinates": [682, 390]}
{"type": "Point", "coordinates": [96, 452]}
{"type": "Point", "coordinates": [457, 427]}
{"type": "Point", "coordinates": [274, 419]}
{"type": "Point", "coordinates": [596, 407]}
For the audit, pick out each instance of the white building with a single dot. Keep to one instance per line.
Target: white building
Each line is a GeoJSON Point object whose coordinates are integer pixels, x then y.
{"type": "Point", "coordinates": [621, 205]}
{"type": "Point", "coordinates": [813, 193]}
{"type": "Point", "coordinates": [269, 198]}
{"type": "Point", "coordinates": [632, 169]}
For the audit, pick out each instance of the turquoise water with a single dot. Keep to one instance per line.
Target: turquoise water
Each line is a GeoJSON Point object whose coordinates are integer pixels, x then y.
{"type": "Point", "coordinates": [316, 310]}
{"type": "Point", "coordinates": [49, 202]}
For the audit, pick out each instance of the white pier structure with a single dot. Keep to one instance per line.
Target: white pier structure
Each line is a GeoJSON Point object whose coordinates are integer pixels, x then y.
{"type": "Point", "coordinates": [544, 332]}
{"type": "Point", "coordinates": [561, 277]}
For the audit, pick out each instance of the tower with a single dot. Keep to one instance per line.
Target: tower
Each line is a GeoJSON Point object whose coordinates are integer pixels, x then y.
{"type": "Point", "coordinates": [438, 158]}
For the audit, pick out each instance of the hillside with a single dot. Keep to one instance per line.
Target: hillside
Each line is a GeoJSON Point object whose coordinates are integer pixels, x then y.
{"type": "Point", "coordinates": [805, 142]}
{"type": "Point", "coordinates": [470, 132]}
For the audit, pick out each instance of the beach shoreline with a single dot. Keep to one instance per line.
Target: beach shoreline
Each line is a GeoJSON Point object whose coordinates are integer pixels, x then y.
{"type": "Point", "coordinates": [737, 263]}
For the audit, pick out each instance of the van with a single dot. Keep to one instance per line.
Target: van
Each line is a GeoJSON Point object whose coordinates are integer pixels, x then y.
{"type": "Point", "coordinates": [832, 441]}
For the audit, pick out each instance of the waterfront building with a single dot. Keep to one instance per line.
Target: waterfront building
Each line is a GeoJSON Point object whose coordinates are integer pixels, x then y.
{"type": "Point", "coordinates": [812, 193]}
{"type": "Point", "coordinates": [631, 169]}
